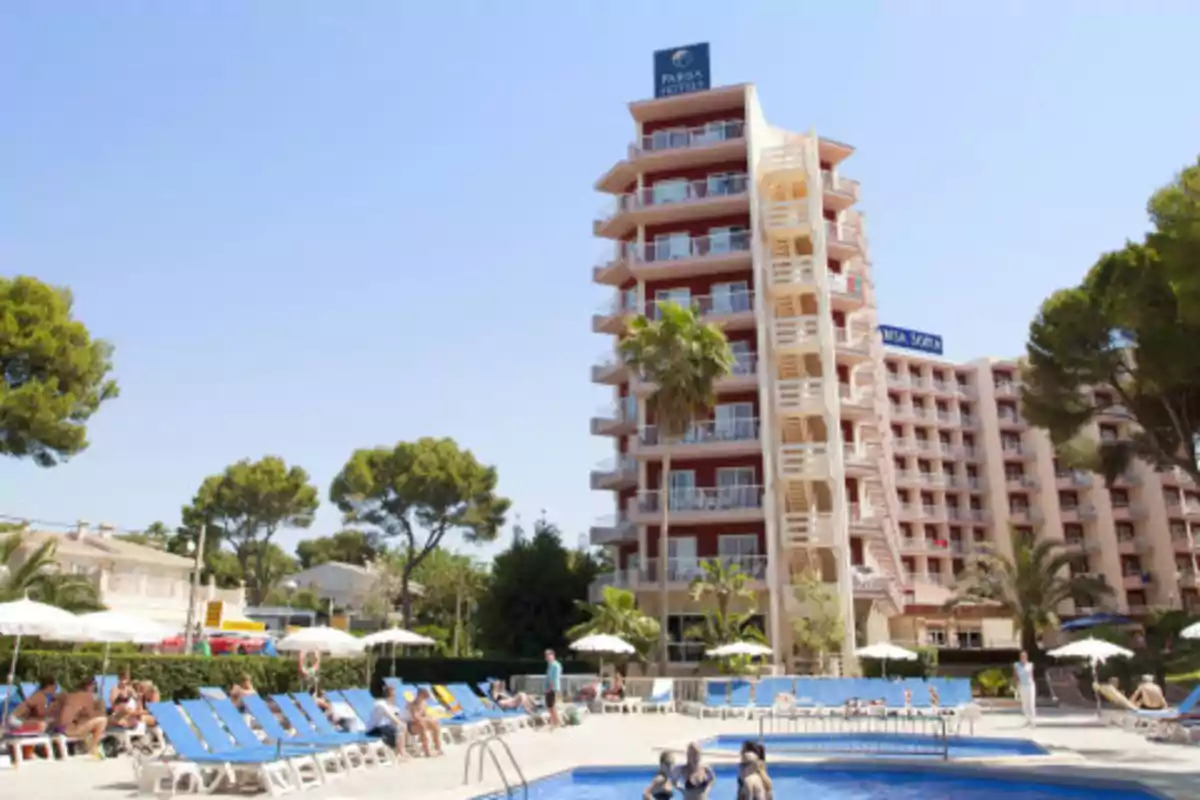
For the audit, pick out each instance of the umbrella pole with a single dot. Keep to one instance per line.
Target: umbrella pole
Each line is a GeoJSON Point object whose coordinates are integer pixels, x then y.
{"type": "Point", "coordinates": [12, 673]}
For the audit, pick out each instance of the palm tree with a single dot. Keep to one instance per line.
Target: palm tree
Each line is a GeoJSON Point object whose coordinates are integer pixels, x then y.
{"type": "Point", "coordinates": [617, 614]}
{"type": "Point", "coordinates": [821, 629]}
{"type": "Point", "coordinates": [683, 357]}
{"type": "Point", "coordinates": [37, 577]}
{"type": "Point", "coordinates": [1029, 586]}
{"type": "Point", "coordinates": [724, 583]}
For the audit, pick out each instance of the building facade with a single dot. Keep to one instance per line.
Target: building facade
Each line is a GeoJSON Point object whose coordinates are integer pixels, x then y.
{"type": "Point", "coordinates": [129, 578]}
{"type": "Point", "coordinates": [878, 472]}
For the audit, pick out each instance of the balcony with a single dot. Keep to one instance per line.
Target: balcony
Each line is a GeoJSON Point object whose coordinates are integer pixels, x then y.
{"type": "Point", "coordinates": [730, 310]}
{"type": "Point", "coordinates": [1028, 516]}
{"type": "Point", "coordinates": [1077, 513]}
{"type": "Point", "coordinates": [1131, 546]}
{"type": "Point", "coordinates": [610, 369]}
{"type": "Point", "coordinates": [842, 240]}
{"type": "Point", "coordinates": [918, 545]}
{"type": "Point", "coordinates": [685, 570]}
{"type": "Point", "coordinates": [845, 291]}
{"type": "Point", "coordinates": [1187, 579]}
{"type": "Point", "coordinates": [699, 506]}
{"type": "Point", "coordinates": [1068, 479]}
{"type": "Point", "coordinates": [1020, 483]}
{"type": "Point", "coordinates": [613, 315]}
{"type": "Point", "coordinates": [855, 402]}
{"type": "Point", "coordinates": [852, 342]}
{"type": "Point", "coordinates": [704, 438]}
{"type": "Point", "coordinates": [840, 193]}
{"type": "Point", "coordinates": [677, 148]}
{"type": "Point", "coordinates": [897, 381]}
{"type": "Point", "coordinates": [674, 201]}
{"type": "Point", "coordinates": [616, 419]}
{"type": "Point", "coordinates": [857, 457]}
{"type": "Point", "coordinates": [615, 473]}
{"type": "Point", "coordinates": [804, 396]}
{"type": "Point", "coordinates": [686, 256]}
{"type": "Point", "coordinates": [612, 529]}
{"type": "Point", "coordinates": [864, 516]}
{"type": "Point", "coordinates": [1007, 389]}
{"type": "Point", "coordinates": [742, 378]}
{"type": "Point", "coordinates": [1128, 512]}
{"type": "Point", "coordinates": [1133, 580]}
{"type": "Point", "coordinates": [1011, 420]}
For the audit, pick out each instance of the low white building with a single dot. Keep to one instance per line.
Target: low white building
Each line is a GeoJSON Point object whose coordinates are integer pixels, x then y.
{"type": "Point", "coordinates": [347, 586]}
{"type": "Point", "coordinates": [130, 578]}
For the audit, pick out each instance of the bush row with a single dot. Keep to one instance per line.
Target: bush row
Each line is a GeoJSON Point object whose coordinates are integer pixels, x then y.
{"type": "Point", "coordinates": [926, 665]}
{"type": "Point", "coordinates": [180, 677]}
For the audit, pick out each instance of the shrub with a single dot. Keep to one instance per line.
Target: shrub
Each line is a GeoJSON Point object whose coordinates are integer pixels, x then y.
{"type": "Point", "coordinates": [992, 682]}
{"type": "Point", "coordinates": [179, 677]}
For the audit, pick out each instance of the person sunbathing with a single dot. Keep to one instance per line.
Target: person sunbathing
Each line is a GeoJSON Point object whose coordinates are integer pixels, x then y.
{"type": "Point", "coordinates": [148, 693]}
{"type": "Point", "coordinates": [31, 715]}
{"type": "Point", "coordinates": [615, 691]}
{"type": "Point", "coordinates": [125, 704]}
{"type": "Point", "coordinates": [80, 715]}
{"type": "Point", "coordinates": [243, 687]}
{"type": "Point", "coordinates": [508, 702]}
{"type": "Point", "coordinates": [1148, 696]}
{"type": "Point", "coordinates": [662, 786]}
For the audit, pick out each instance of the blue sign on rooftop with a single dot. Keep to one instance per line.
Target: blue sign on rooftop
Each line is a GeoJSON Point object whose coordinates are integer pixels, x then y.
{"type": "Point", "coordinates": [911, 340]}
{"type": "Point", "coordinates": [681, 70]}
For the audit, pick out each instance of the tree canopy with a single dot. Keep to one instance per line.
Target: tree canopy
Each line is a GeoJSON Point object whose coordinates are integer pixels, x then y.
{"type": "Point", "coordinates": [532, 599]}
{"type": "Point", "coordinates": [348, 546]}
{"type": "Point", "coordinates": [1123, 343]}
{"type": "Point", "coordinates": [416, 493]}
{"type": "Point", "coordinates": [683, 357]}
{"type": "Point", "coordinates": [246, 505]}
{"type": "Point", "coordinates": [1030, 586]}
{"type": "Point", "coordinates": [721, 586]}
{"type": "Point", "coordinates": [617, 614]}
{"type": "Point", "coordinates": [53, 375]}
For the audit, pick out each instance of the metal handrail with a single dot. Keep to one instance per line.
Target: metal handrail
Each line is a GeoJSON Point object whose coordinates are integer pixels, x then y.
{"type": "Point", "coordinates": [485, 748]}
{"type": "Point", "coordinates": [889, 734]}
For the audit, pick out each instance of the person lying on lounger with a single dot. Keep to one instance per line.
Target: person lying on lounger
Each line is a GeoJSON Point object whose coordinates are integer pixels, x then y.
{"type": "Point", "coordinates": [508, 702]}
{"type": "Point", "coordinates": [31, 716]}
{"type": "Point", "coordinates": [615, 691]}
{"type": "Point", "coordinates": [243, 687]}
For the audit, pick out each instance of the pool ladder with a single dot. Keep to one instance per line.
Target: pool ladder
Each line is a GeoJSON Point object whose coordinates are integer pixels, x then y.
{"type": "Point", "coordinates": [484, 747]}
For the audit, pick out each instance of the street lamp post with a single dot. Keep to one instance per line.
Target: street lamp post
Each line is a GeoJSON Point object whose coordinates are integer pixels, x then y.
{"type": "Point", "coordinates": [289, 586]}
{"type": "Point", "coordinates": [198, 558]}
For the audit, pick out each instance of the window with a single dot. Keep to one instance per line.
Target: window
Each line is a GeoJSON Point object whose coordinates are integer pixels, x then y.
{"type": "Point", "coordinates": [683, 565]}
{"type": "Point", "coordinates": [682, 483]}
{"type": "Point", "coordinates": [734, 421]}
{"type": "Point", "coordinates": [970, 639]}
{"type": "Point", "coordinates": [736, 487]}
{"type": "Point", "coordinates": [681, 296]}
{"type": "Point", "coordinates": [731, 298]}
{"type": "Point", "coordinates": [726, 239]}
{"type": "Point", "coordinates": [670, 191]}
{"type": "Point", "coordinates": [935, 637]}
{"type": "Point", "coordinates": [742, 549]}
{"type": "Point", "coordinates": [743, 358]}
{"type": "Point", "coordinates": [681, 650]}
{"type": "Point", "coordinates": [1120, 498]}
{"type": "Point", "coordinates": [670, 246]}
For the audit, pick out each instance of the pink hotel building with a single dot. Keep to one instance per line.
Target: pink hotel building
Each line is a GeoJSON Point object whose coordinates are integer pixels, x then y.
{"type": "Point", "coordinates": [881, 470]}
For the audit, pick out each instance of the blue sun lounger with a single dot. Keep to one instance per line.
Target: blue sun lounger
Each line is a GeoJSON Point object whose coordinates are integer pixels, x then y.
{"type": "Point", "coordinates": [206, 770]}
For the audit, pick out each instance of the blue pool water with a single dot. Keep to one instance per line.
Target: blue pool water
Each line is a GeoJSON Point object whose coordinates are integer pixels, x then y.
{"type": "Point", "coordinates": [797, 781]}
{"type": "Point", "coordinates": [860, 745]}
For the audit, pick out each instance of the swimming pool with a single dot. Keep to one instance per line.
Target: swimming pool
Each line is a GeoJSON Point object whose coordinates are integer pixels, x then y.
{"type": "Point", "coordinates": [840, 783]}
{"type": "Point", "coordinates": [884, 745]}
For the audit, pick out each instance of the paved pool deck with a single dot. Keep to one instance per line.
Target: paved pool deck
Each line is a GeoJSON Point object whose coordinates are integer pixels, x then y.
{"type": "Point", "coordinates": [1080, 745]}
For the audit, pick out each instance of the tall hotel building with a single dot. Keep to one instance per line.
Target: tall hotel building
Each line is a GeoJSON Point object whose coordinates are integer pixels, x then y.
{"type": "Point", "coordinates": [880, 471]}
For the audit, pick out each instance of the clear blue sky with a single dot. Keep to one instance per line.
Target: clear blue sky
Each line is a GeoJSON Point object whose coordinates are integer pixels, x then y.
{"type": "Point", "coordinates": [314, 226]}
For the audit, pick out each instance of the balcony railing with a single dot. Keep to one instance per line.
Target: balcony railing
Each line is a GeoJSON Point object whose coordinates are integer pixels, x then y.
{"type": "Point", "coordinates": [897, 381]}
{"type": "Point", "coordinates": [836, 183]}
{"type": "Point", "coordinates": [625, 410]}
{"type": "Point", "coordinates": [707, 431]}
{"type": "Point", "coordinates": [673, 192]}
{"type": "Point", "coordinates": [717, 498]}
{"type": "Point", "coordinates": [843, 233]}
{"type": "Point", "coordinates": [686, 570]}
{"type": "Point", "coordinates": [700, 136]}
{"type": "Point", "coordinates": [711, 304]}
{"type": "Point", "coordinates": [679, 248]}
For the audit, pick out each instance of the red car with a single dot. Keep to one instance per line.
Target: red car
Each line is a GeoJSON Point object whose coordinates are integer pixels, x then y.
{"type": "Point", "coordinates": [229, 643]}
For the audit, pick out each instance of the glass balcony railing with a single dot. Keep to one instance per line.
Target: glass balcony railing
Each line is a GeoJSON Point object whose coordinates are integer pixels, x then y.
{"type": "Point", "coordinates": [672, 192]}
{"type": "Point", "coordinates": [706, 432]}
{"type": "Point", "coordinates": [721, 498]}
{"type": "Point", "coordinates": [683, 138]}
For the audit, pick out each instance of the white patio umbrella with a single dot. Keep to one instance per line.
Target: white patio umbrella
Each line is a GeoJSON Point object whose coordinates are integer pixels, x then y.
{"type": "Point", "coordinates": [114, 626]}
{"type": "Point", "coordinates": [320, 639]}
{"type": "Point", "coordinates": [1191, 631]}
{"type": "Point", "coordinates": [1095, 651]}
{"type": "Point", "coordinates": [885, 652]}
{"type": "Point", "coordinates": [601, 644]}
{"type": "Point", "coordinates": [753, 649]}
{"type": "Point", "coordinates": [27, 617]}
{"type": "Point", "coordinates": [396, 637]}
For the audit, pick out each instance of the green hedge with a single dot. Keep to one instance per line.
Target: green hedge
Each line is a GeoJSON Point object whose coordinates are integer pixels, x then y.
{"type": "Point", "coordinates": [179, 677]}
{"type": "Point", "coordinates": [467, 670]}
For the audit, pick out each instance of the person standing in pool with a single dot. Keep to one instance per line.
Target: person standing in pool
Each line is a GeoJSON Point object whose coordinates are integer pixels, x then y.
{"type": "Point", "coordinates": [753, 781]}
{"type": "Point", "coordinates": [1026, 688]}
{"type": "Point", "coordinates": [663, 785]}
{"type": "Point", "coordinates": [694, 778]}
